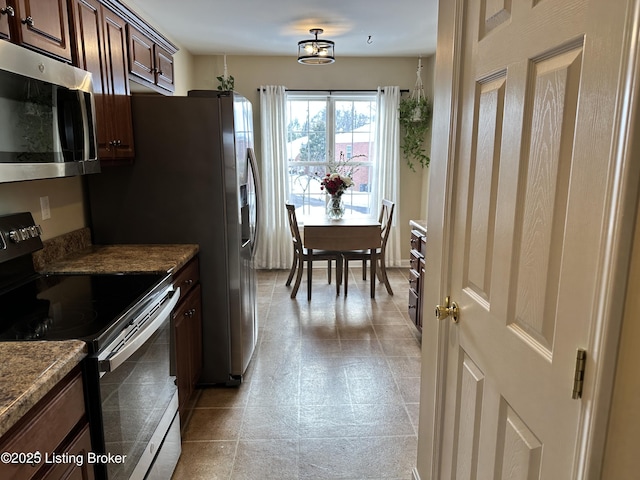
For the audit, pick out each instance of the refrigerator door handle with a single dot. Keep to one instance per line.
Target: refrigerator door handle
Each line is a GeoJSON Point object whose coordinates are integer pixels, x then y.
{"type": "Point", "coordinates": [253, 166]}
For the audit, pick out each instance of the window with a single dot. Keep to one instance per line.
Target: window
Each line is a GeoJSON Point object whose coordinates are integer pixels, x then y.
{"type": "Point", "coordinates": [330, 133]}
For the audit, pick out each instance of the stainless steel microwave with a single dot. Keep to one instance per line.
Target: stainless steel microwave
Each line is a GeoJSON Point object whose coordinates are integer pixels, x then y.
{"type": "Point", "coordinates": [47, 117]}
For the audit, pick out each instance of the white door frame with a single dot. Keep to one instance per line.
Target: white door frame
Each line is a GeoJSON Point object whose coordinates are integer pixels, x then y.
{"type": "Point", "coordinates": [612, 276]}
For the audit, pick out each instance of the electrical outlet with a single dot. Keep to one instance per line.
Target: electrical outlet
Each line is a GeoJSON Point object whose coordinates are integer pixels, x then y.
{"type": "Point", "coordinates": [44, 208]}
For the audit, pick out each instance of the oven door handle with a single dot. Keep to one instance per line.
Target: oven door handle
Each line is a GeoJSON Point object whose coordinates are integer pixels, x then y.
{"type": "Point", "coordinates": [113, 360]}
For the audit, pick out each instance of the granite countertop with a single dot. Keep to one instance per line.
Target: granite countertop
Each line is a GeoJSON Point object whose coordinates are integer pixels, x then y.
{"type": "Point", "coordinates": [124, 258]}
{"type": "Point", "coordinates": [29, 370]}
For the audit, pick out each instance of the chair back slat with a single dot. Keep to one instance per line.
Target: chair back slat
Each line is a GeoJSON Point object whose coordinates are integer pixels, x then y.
{"type": "Point", "coordinates": [293, 226]}
{"type": "Point", "coordinates": [386, 218]}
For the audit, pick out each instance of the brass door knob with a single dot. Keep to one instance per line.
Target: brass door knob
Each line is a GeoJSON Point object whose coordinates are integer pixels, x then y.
{"type": "Point", "coordinates": [449, 309]}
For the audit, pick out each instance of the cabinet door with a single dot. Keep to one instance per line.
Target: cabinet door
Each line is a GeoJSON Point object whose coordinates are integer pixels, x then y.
{"type": "Point", "coordinates": [195, 334]}
{"type": "Point", "coordinates": [44, 25]}
{"type": "Point", "coordinates": [164, 68]}
{"type": "Point", "coordinates": [89, 55]}
{"type": "Point", "coordinates": [182, 341]}
{"type": "Point", "coordinates": [120, 145]}
{"type": "Point", "coordinates": [188, 345]}
{"type": "Point", "coordinates": [141, 55]}
{"type": "Point", "coordinates": [79, 447]}
{"type": "Point", "coordinates": [4, 20]}
{"type": "Point", "coordinates": [149, 61]}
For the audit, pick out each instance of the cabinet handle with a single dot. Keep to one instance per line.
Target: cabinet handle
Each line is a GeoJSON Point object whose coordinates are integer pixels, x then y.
{"type": "Point", "coordinates": [190, 313]}
{"type": "Point", "coordinates": [8, 11]}
{"type": "Point", "coordinates": [159, 72]}
{"type": "Point", "coordinates": [28, 21]}
{"type": "Point", "coordinates": [188, 282]}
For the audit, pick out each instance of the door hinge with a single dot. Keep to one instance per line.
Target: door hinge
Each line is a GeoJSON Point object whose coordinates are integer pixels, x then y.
{"type": "Point", "coordinates": [578, 376]}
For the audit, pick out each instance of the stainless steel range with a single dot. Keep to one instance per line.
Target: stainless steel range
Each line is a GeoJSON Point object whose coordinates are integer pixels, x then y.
{"type": "Point", "coordinates": [125, 321]}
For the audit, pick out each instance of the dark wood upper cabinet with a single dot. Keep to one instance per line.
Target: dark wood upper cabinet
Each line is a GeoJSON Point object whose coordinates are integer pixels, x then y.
{"type": "Point", "coordinates": [149, 61]}
{"type": "Point", "coordinates": [42, 25]}
{"type": "Point", "coordinates": [101, 48]}
{"type": "Point", "coordinates": [5, 14]}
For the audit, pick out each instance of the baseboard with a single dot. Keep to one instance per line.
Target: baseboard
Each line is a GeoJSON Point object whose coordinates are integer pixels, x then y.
{"type": "Point", "coordinates": [414, 474]}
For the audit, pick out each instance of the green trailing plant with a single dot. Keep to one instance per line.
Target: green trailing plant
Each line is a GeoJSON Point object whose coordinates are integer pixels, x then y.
{"type": "Point", "coordinates": [415, 120]}
{"type": "Point", "coordinates": [226, 84]}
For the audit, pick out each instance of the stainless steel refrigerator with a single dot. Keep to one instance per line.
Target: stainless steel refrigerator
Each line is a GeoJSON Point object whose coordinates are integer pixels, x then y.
{"type": "Point", "coordinates": [194, 180]}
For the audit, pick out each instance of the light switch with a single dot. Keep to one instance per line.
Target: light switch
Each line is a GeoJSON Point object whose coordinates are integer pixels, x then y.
{"type": "Point", "coordinates": [44, 207]}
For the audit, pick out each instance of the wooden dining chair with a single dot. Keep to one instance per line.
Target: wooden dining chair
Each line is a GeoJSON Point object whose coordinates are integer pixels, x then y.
{"type": "Point", "coordinates": [385, 219]}
{"type": "Point", "coordinates": [301, 255]}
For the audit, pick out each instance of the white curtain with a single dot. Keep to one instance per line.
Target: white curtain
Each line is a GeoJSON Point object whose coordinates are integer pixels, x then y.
{"type": "Point", "coordinates": [274, 248]}
{"type": "Point", "coordinates": [386, 151]}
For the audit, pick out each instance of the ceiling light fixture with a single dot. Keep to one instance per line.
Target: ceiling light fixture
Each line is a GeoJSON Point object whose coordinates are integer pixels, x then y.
{"type": "Point", "coordinates": [314, 51]}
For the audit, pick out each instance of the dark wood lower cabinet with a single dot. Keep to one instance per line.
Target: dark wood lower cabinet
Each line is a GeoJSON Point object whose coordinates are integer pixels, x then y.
{"type": "Point", "coordinates": [416, 277]}
{"type": "Point", "coordinates": [187, 328]}
{"type": "Point", "coordinates": [56, 425]}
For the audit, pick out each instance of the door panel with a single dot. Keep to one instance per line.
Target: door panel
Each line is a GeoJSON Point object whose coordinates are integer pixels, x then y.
{"type": "Point", "coordinates": [542, 207]}
{"type": "Point", "coordinates": [508, 410]}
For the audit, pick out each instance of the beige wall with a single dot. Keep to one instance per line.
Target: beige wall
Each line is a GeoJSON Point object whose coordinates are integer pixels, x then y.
{"type": "Point", "coordinates": [65, 203]}
{"type": "Point", "coordinates": [348, 73]}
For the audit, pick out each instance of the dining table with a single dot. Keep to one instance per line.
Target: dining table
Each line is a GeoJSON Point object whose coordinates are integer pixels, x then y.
{"type": "Point", "coordinates": [347, 233]}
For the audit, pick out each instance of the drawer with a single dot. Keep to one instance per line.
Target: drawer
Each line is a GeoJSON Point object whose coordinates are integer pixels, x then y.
{"type": "Point", "coordinates": [79, 446]}
{"type": "Point", "coordinates": [187, 277]}
{"type": "Point", "coordinates": [415, 239]}
{"type": "Point", "coordinates": [418, 241]}
{"type": "Point", "coordinates": [414, 281]}
{"type": "Point", "coordinates": [414, 260]}
{"type": "Point", "coordinates": [44, 427]}
{"type": "Point", "coordinates": [413, 307]}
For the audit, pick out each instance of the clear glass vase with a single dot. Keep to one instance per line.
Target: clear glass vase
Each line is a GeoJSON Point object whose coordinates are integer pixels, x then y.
{"type": "Point", "coordinates": [335, 207]}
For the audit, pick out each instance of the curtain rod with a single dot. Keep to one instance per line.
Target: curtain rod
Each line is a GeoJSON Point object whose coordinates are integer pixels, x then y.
{"type": "Point", "coordinates": [330, 91]}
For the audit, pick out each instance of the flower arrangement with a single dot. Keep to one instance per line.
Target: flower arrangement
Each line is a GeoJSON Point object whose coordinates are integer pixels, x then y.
{"type": "Point", "coordinates": [340, 176]}
{"type": "Point", "coordinates": [335, 184]}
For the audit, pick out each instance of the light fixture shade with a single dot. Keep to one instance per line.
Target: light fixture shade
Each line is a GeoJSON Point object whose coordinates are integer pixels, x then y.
{"type": "Point", "coordinates": [314, 51]}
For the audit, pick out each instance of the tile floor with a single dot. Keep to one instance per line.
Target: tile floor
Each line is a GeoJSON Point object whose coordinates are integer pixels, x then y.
{"type": "Point", "coordinates": [331, 392]}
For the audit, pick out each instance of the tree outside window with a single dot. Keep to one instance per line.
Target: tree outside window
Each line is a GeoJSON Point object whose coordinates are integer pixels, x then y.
{"type": "Point", "coordinates": [327, 133]}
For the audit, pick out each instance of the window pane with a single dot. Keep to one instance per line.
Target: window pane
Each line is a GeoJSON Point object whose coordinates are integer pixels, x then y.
{"type": "Point", "coordinates": [309, 144]}
{"type": "Point", "coordinates": [354, 121]}
{"type": "Point", "coordinates": [307, 131]}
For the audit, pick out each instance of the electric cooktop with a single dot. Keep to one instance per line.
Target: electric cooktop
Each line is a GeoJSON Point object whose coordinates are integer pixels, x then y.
{"type": "Point", "coordinates": [64, 307]}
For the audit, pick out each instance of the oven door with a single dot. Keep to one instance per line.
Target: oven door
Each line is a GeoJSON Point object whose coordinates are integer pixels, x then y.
{"type": "Point", "coordinates": [138, 397]}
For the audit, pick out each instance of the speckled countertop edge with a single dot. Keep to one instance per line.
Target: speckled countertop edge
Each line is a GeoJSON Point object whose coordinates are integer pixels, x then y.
{"type": "Point", "coordinates": [124, 258]}
{"type": "Point", "coordinates": [29, 370]}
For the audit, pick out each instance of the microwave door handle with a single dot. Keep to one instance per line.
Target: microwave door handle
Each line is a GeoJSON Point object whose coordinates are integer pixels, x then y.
{"type": "Point", "coordinates": [113, 361]}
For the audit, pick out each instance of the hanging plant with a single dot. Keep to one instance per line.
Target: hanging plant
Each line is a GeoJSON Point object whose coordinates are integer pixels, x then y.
{"type": "Point", "coordinates": [226, 84]}
{"type": "Point", "coordinates": [415, 119]}
{"type": "Point", "coordinates": [226, 80]}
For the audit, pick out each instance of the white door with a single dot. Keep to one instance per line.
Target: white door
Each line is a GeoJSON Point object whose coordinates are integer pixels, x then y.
{"type": "Point", "coordinates": [524, 221]}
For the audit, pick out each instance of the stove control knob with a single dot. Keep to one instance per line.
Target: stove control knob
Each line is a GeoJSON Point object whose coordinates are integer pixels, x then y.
{"type": "Point", "coordinates": [16, 236]}
{"type": "Point", "coordinates": [20, 234]}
